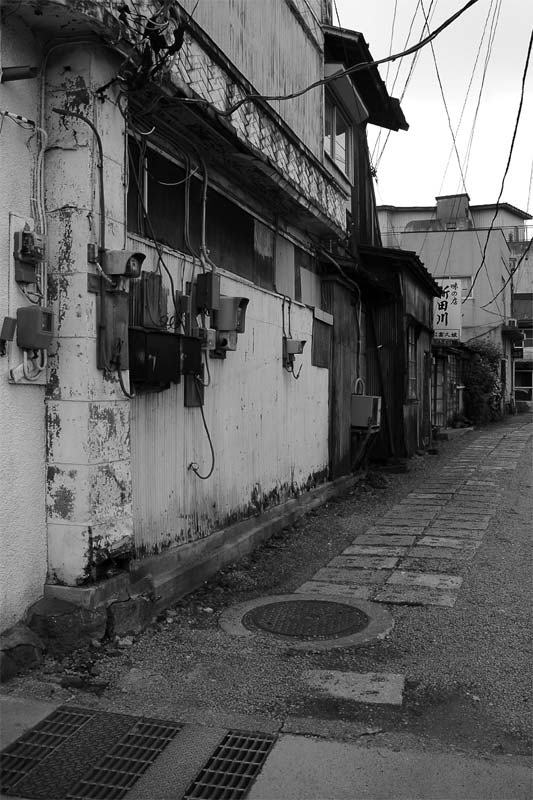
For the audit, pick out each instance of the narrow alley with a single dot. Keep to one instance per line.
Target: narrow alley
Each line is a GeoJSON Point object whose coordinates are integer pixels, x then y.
{"type": "Point", "coordinates": [437, 705]}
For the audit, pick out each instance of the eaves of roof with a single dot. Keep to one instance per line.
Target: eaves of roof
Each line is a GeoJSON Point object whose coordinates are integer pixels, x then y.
{"type": "Point", "coordinates": [350, 48]}
{"type": "Point", "coordinates": [402, 259]}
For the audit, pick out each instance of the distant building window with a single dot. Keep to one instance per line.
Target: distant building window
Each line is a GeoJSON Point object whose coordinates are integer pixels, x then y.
{"type": "Point", "coordinates": [337, 136]}
{"type": "Point", "coordinates": [412, 364]}
{"type": "Point", "coordinates": [523, 382]}
{"type": "Point", "coordinates": [528, 341]}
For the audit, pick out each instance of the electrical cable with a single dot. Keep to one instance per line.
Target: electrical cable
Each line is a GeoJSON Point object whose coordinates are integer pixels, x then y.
{"type": "Point", "coordinates": [152, 233]}
{"type": "Point", "coordinates": [349, 71]}
{"type": "Point", "coordinates": [194, 466]}
{"type": "Point", "coordinates": [414, 62]}
{"type": "Point", "coordinates": [465, 166]}
{"type": "Point", "coordinates": [492, 34]}
{"type": "Point", "coordinates": [455, 149]}
{"type": "Point", "coordinates": [130, 395]}
{"type": "Point", "coordinates": [517, 120]}
{"type": "Point", "coordinates": [511, 274]}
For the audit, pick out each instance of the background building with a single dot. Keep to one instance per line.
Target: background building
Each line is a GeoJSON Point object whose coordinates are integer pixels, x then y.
{"type": "Point", "coordinates": [479, 254]}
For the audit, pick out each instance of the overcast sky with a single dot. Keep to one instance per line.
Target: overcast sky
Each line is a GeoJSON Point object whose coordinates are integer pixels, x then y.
{"type": "Point", "coordinates": [412, 168]}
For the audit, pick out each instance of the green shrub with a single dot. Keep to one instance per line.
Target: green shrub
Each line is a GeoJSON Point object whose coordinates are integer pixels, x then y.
{"type": "Point", "coordinates": [483, 389]}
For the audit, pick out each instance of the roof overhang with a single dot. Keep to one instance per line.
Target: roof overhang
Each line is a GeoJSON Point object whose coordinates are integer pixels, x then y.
{"type": "Point", "coordinates": [401, 260]}
{"type": "Point", "coordinates": [350, 48]}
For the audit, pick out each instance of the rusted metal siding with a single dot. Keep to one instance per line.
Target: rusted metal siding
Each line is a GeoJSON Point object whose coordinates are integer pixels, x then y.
{"type": "Point", "coordinates": [278, 46]}
{"type": "Point", "coordinates": [269, 431]}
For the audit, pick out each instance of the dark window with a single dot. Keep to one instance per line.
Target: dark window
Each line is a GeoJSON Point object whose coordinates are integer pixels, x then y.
{"type": "Point", "coordinates": [321, 344]}
{"type": "Point", "coordinates": [234, 239]}
{"type": "Point", "coordinates": [337, 136]}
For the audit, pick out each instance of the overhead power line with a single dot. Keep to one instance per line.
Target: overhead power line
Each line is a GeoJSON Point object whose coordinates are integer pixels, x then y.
{"type": "Point", "coordinates": [508, 164]}
{"type": "Point", "coordinates": [349, 71]}
{"type": "Point", "coordinates": [511, 274]}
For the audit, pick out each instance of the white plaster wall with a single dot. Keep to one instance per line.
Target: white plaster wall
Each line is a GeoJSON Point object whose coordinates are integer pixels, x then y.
{"type": "Point", "coordinates": [269, 431]}
{"type": "Point", "coordinates": [22, 418]}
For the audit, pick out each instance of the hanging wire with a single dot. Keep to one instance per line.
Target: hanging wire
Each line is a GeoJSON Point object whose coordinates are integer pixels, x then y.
{"type": "Point", "coordinates": [194, 466]}
{"type": "Point", "coordinates": [508, 164]}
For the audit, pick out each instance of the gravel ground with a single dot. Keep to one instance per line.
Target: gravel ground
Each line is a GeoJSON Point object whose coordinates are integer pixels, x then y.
{"type": "Point", "coordinates": [468, 681]}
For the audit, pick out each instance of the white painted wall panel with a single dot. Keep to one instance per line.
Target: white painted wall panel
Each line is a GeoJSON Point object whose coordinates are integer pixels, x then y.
{"type": "Point", "coordinates": [22, 418]}
{"type": "Point", "coordinates": [269, 431]}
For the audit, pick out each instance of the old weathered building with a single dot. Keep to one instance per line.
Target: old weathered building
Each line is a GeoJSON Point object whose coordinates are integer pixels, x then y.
{"type": "Point", "coordinates": [180, 383]}
{"type": "Point", "coordinates": [473, 252]}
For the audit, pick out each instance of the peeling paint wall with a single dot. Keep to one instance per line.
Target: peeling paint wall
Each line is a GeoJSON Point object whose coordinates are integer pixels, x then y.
{"type": "Point", "coordinates": [22, 469]}
{"type": "Point", "coordinates": [88, 486]}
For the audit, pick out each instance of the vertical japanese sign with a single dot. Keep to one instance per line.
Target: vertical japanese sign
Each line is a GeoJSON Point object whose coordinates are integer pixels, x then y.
{"type": "Point", "coordinates": [447, 310]}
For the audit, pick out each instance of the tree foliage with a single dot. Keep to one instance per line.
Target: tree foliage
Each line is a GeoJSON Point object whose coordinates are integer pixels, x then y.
{"type": "Point", "coordinates": [482, 380]}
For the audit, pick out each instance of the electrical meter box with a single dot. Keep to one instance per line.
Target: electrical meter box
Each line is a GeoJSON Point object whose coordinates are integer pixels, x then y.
{"type": "Point", "coordinates": [29, 247]}
{"type": "Point", "coordinates": [122, 262]}
{"type": "Point", "coordinates": [28, 251]}
{"type": "Point", "coordinates": [154, 358]}
{"type": "Point", "coordinates": [365, 411]}
{"type": "Point", "coordinates": [34, 327]}
{"type": "Point", "coordinates": [231, 315]}
{"type": "Point", "coordinates": [208, 291]}
{"type": "Point", "coordinates": [293, 346]}
{"type": "Point", "coordinates": [191, 355]}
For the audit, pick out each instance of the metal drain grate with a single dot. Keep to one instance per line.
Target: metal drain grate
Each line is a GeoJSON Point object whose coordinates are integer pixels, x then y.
{"type": "Point", "coordinates": [232, 768]}
{"type": "Point", "coordinates": [117, 771]}
{"type": "Point", "coordinates": [307, 619]}
{"type": "Point", "coordinates": [21, 756]}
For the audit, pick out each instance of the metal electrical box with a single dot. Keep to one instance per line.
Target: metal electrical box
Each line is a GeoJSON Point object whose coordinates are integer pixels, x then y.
{"type": "Point", "coordinates": [365, 411]}
{"type": "Point", "coordinates": [154, 358]}
{"type": "Point", "coordinates": [191, 355]}
{"type": "Point", "coordinates": [34, 327]}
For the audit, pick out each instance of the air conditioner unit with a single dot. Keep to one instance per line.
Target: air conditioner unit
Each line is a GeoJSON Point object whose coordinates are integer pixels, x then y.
{"type": "Point", "coordinates": [511, 323]}
{"type": "Point", "coordinates": [365, 411]}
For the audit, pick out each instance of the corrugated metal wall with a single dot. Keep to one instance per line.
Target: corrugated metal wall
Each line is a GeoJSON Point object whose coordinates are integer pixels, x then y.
{"type": "Point", "coordinates": [269, 431]}
{"type": "Point", "coordinates": [275, 52]}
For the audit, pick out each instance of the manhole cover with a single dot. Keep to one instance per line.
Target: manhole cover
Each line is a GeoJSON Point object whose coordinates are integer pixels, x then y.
{"type": "Point", "coordinates": [307, 619]}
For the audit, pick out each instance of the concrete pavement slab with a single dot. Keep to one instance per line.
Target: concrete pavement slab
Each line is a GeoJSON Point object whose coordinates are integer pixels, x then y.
{"type": "Point", "coordinates": [475, 524]}
{"type": "Point", "coordinates": [442, 552]}
{"type": "Point", "coordinates": [410, 508]}
{"type": "Point", "coordinates": [367, 687]}
{"type": "Point", "coordinates": [354, 591]}
{"type": "Point", "coordinates": [363, 562]}
{"type": "Point", "coordinates": [439, 496]}
{"type": "Point", "coordinates": [445, 565]}
{"type": "Point", "coordinates": [467, 534]}
{"type": "Point", "coordinates": [354, 576]}
{"type": "Point", "coordinates": [19, 714]}
{"type": "Point", "coordinates": [374, 550]}
{"type": "Point", "coordinates": [301, 768]}
{"type": "Point", "coordinates": [405, 520]}
{"type": "Point", "coordinates": [447, 541]}
{"type": "Point", "coordinates": [385, 539]}
{"type": "Point", "coordinates": [434, 581]}
{"type": "Point", "coordinates": [415, 596]}
{"type": "Point", "coordinates": [463, 514]}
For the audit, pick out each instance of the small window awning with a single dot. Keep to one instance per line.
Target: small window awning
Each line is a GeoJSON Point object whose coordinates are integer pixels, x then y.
{"type": "Point", "coordinates": [350, 48]}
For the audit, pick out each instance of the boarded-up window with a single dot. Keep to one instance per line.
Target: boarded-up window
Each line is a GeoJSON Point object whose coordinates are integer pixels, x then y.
{"type": "Point", "coordinates": [321, 344]}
